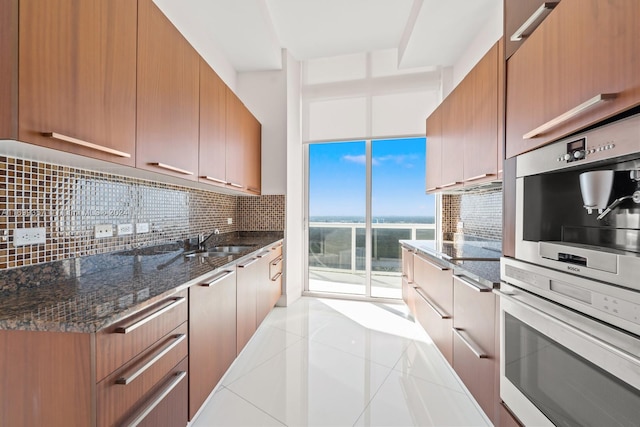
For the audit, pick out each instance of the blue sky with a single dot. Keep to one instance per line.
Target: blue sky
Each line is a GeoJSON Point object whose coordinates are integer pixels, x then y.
{"type": "Point", "coordinates": [337, 179]}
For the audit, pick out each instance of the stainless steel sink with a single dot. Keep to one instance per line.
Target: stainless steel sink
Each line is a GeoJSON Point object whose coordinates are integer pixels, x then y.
{"type": "Point", "coordinates": [230, 249]}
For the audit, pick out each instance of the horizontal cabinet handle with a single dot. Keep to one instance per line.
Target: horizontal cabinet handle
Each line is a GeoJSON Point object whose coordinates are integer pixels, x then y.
{"type": "Point", "coordinates": [470, 344]}
{"type": "Point", "coordinates": [475, 286]}
{"type": "Point", "coordinates": [276, 277]}
{"type": "Point", "coordinates": [85, 144]}
{"type": "Point", "coordinates": [477, 177]}
{"type": "Point", "coordinates": [212, 179]}
{"type": "Point", "coordinates": [174, 303]}
{"type": "Point", "coordinates": [570, 114]}
{"type": "Point", "coordinates": [247, 264]}
{"type": "Point", "coordinates": [277, 261]}
{"type": "Point", "coordinates": [278, 246]}
{"type": "Point", "coordinates": [127, 379]}
{"type": "Point", "coordinates": [441, 314]}
{"type": "Point", "coordinates": [157, 398]}
{"type": "Point", "coordinates": [219, 278]}
{"type": "Point", "coordinates": [528, 26]}
{"type": "Point", "coordinates": [171, 168]}
{"type": "Point", "coordinates": [431, 263]}
{"type": "Point", "coordinates": [233, 184]}
{"type": "Point", "coordinates": [451, 184]}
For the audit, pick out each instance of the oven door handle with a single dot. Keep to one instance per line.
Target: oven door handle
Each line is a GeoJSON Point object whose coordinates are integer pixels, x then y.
{"type": "Point", "coordinates": [561, 323]}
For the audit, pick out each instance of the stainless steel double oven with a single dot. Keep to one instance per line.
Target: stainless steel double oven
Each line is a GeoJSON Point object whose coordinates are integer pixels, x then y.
{"type": "Point", "coordinates": [570, 300]}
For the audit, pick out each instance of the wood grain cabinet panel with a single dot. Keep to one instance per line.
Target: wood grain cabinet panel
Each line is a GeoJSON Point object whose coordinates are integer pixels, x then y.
{"type": "Point", "coordinates": [433, 301]}
{"type": "Point", "coordinates": [9, 69]}
{"type": "Point", "coordinates": [77, 76]}
{"type": "Point", "coordinates": [168, 106]}
{"type": "Point", "coordinates": [213, 127]}
{"type": "Point", "coordinates": [246, 301]}
{"type": "Point", "coordinates": [454, 126]}
{"type": "Point", "coordinates": [235, 142]}
{"type": "Point", "coordinates": [434, 151]}
{"type": "Point", "coordinates": [212, 334]}
{"type": "Point", "coordinates": [516, 14]}
{"type": "Point", "coordinates": [474, 342]}
{"type": "Point", "coordinates": [582, 50]}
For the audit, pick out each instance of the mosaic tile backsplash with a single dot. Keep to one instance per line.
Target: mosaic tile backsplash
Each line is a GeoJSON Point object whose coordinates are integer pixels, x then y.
{"type": "Point", "coordinates": [69, 203]}
{"type": "Point", "coordinates": [480, 213]}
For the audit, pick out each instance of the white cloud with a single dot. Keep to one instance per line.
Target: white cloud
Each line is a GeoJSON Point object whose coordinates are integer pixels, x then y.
{"type": "Point", "coordinates": [359, 159]}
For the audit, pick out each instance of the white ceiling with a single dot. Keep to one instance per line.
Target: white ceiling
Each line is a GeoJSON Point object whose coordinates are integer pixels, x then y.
{"type": "Point", "coordinates": [251, 33]}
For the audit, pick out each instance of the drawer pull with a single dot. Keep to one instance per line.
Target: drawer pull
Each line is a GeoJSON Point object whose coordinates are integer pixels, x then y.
{"type": "Point", "coordinates": [276, 247]}
{"type": "Point", "coordinates": [85, 144]}
{"type": "Point", "coordinates": [431, 305]}
{"type": "Point", "coordinates": [451, 184]}
{"type": "Point", "coordinates": [126, 329]}
{"type": "Point", "coordinates": [247, 264]}
{"type": "Point", "coordinates": [157, 398]}
{"type": "Point", "coordinates": [263, 254]}
{"type": "Point", "coordinates": [212, 179]}
{"type": "Point", "coordinates": [219, 278]}
{"type": "Point", "coordinates": [404, 276]}
{"type": "Point", "coordinates": [277, 261]}
{"type": "Point", "coordinates": [477, 177]}
{"type": "Point", "coordinates": [431, 263]}
{"type": "Point", "coordinates": [233, 184]}
{"type": "Point", "coordinates": [528, 26]}
{"type": "Point", "coordinates": [473, 285]}
{"type": "Point", "coordinates": [470, 344]}
{"type": "Point", "coordinates": [569, 114]}
{"type": "Point", "coordinates": [171, 168]}
{"type": "Point", "coordinates": [276, 277]}
{"type": "Point", "coordinates": [127, 379]}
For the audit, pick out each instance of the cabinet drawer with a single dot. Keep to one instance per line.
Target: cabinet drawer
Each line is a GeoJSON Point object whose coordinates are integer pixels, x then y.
{"type": "Point", "coordinates": [167, 405]}
{"type": "Point", "coordinates": [436, 321]}
{"type": "Point", "coordinates": [119, 343]}
{"type": "Point", "coordinates": [120, 393]}
{"type": "Point", "coordinates": [435, 280]}
{"type": "Point", "coordinates": [408, 295]}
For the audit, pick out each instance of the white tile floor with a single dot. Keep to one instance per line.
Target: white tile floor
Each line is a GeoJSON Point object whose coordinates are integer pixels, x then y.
{"type": "Point", "coordinates": [323, 362]}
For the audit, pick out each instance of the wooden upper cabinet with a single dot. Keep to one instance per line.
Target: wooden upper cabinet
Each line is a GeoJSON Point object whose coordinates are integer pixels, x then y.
{"type": "Point", "coordinates": [77, 76]}
{"type": "Point", "coordinates": [454, 112]}
{"type": "Point", "coordinates": [481, 138]}
{"type": "Point", "coordinates": [235, 142]}
{"type": "Point", "coordinates": [167, 96]}
{"type": "Point", "coordinates": [521, 18]}
{"type": "Point", "coordinates": [253, 153]}
{"type": "Point", "coordinates": [434, 150]}
{"type": "Point", "coordinates": [9, 69]}
{"type": "Point", "coordinates": [213, 127]}
{"type": "Point", "coordinates": [576, 69]}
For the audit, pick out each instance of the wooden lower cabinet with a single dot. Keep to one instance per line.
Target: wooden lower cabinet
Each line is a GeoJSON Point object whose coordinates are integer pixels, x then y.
{"type": "Point", "coordinates": [507, 419]}
{"type": "Point", "coordinates": [212, 334]}
{"type": "Point", "coordinates": [474, 342]}
{"type": "Point", "coordinates": [246, 301]}
{"type": "Point", "coordinates": [433, 299]}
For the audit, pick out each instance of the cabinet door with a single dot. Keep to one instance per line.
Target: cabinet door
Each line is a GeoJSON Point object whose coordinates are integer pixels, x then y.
{"type": "Point", "coordinates": [454, 124]}
{"type": "Point", "coordinates": [212, 335]}
{"type": "Point", "coordinates": [213, 127]}
{"type": "Point", "coordinates": [77, 77]}
{"type": "Point", "coordinates": [434, 150]}
{"type": "Point", "coordinates": [481, 137]}
{"type": "Point", "coordinates": [9, 69]}
{"type": "Point", "coordinates": [253, 153]}
{"type": "Point", "coordinates": [167, 96]}
{"type": "Point", "coordinates": [235, 142]}
{"type": "Point", "coordinates": [246, 298]}
{"type": "Point", "coordinates": [516, 13]}
{"type": "Point", "coordinates": [580, 54]}
{"type": "Point", "coordinates": [474, 358]}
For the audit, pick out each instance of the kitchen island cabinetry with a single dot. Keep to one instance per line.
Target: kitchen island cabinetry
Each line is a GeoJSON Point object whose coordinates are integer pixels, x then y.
{"type": "Point", "coordinates": [574, 70]}
{"type": "Point", "coordinates": [212, 334]}
{"type": "Point", "coordinates": [433, 299]}
{"type": "Point", "coordinates": [167, 97]}
{"type": "Point", "coordinates": [475, 358]}
{"type": "Point", "coordinates": [76, 64]}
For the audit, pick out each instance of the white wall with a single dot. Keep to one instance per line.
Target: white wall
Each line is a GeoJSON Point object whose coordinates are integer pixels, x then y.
{"type": "Point", "coordinates": [294, 216]}
{"type": "Point", "coordinates": [265, 94]}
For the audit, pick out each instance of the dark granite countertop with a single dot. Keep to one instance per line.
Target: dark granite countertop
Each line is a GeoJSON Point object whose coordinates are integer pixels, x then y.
{"type": "Point", "coordinates": [89, 293]}
{"type": "Point", "coordinates": [478, 260]}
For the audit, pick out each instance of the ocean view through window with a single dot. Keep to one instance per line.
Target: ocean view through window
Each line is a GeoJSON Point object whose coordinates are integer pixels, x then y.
{"type": "Point", "coordinates": [362, 188]}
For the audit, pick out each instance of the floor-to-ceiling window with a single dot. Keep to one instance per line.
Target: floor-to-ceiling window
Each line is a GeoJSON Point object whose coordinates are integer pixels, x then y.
{"type": "Point", "coordinates": [362, 198]}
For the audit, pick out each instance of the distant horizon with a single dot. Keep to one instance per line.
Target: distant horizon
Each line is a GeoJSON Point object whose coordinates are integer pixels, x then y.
{"type": "Point", "coordinates": [376, 219]}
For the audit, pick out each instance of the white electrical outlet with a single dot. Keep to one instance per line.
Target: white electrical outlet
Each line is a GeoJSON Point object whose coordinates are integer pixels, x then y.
{"type": "Point", "coordinates": [125, 229]}
{"type": "Point", "coordinates": [29, 236]}
{"type": "Point", "coordinates": [103, 230]}
{"type": "Point", "coordinates": [142, 227]}
{"type": "Point", "coordinates": [229, 221]}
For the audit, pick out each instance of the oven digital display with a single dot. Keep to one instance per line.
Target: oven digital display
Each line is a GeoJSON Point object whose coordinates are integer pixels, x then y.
{"type": "Point", "coordinates": [576, 145]}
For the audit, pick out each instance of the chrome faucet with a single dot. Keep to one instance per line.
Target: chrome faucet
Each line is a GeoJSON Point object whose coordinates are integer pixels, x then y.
{"type": "Point", "coordinates": [202, 240]}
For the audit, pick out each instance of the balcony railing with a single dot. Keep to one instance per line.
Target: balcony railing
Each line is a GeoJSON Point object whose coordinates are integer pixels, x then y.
{"type": "Point", "coordinates": [337, 246]}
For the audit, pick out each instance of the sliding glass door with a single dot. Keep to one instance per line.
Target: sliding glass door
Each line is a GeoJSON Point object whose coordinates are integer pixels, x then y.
{"type": "Point", "coordinates": [363, 197]}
